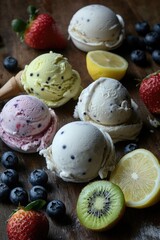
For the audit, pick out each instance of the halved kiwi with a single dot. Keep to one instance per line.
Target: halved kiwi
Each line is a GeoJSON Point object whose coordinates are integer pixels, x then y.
{"type": "Point", "coordinates": [100, 205]}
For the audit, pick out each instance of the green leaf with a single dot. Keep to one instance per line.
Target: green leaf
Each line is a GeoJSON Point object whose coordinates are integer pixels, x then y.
{"type": "Point", "coordinates": [35, 205]}
{"type": "Point", "coordinates": [18, 25]}
{"type": "Point", "coordinates": [33, 11]}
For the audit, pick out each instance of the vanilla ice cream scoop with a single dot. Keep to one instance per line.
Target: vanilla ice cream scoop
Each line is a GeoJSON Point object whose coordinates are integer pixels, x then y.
{"type": "Point", "coordinates": [96, 27]}
{"type": "Point", "coordinates": [80, 152]}
{"type": "Point", "coordinates": [107, 104]}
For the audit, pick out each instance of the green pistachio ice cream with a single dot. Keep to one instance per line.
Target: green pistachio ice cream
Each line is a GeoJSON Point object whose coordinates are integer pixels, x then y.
{"type": "Point", "coordinates": [51, 78]}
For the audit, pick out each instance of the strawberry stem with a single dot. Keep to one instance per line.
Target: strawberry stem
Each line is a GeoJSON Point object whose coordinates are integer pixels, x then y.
{"type": "Point", "coordinates": [35, 205]}
{"type": "Point", "coordinates": [33, 11]}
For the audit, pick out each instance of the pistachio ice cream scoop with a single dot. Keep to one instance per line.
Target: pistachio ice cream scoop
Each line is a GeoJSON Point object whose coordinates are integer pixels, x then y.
{"type": "Point", "coordinates": [49, 77]}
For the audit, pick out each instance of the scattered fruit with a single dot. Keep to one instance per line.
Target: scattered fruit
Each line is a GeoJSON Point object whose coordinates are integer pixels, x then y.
{"type": "Point", "coordinates": [19, 196]}
{"type": "Point", "coordinates": [105, 64]}
{"type": "Point", "coordinates": [142, 28]}
{"type": "Point", "coordinates": [37, 192]}
{"type": "Point", "coordinates": [28, 223]}
{"type": "Point", "coordinates": [152, 39]}
{"type": "Point", "coordinates": [40, 32]}
{"type": "Point", "coordinates": [156, 28]}
{"type": "Point", "coordinates": [4, 192]}
{"type": "Point", "coordinates": [130, 147]}
{"type": "Point", "coordinates": [156, 56]}
{"type": "Point", "coordinates": [38, 177]}
{"type": "Point", "coordinates": [10, 63]}
{"type": "Point", "coordinates": [100, 205]}
{"type": "Point", "coordinates": [147, 39]}
{"type": "Point", "coordinates": [150, 92]}
{"type": "Point", "coordinates": [139, 57]}
{"type": "Point", "coordinates": [134, 42]}
{"type": "Point", "coordinates": [138, 175]}
{"type": "Point", "coordinates": [56, 209]}
{"type": "Point", "coordinates": [10, 177]}
{"type": "Point", "coordinates": [9, 160]}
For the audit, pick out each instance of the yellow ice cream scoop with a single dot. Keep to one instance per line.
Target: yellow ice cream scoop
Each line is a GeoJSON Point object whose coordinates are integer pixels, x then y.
{"type": "Point", "coordinates": [49, 77]}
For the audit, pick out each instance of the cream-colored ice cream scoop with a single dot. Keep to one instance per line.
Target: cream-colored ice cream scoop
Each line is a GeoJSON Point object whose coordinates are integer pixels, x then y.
{"type": "Point", "coordinates": [96, 27]}
{"type": "Point", "coordinates": [107, 104]}
{"type": "Point", "coordinates": [80, 152]}
{"type": "Point", "coordinates": [49, 77]}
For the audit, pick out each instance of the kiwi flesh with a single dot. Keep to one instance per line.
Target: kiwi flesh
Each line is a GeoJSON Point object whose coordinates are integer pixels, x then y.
{"type": "Point", "coordinates": [100, 205]}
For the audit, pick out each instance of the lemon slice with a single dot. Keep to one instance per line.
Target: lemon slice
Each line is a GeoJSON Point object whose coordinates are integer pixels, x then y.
{"type": "Point", "coordinates": [105, 64]}
{"type": "Point", "coordinates": [138, 175]}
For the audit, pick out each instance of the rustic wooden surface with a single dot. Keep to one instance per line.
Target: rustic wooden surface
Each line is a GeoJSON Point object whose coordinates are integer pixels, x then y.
{"type": "Point", "coordinates": [136, 224]}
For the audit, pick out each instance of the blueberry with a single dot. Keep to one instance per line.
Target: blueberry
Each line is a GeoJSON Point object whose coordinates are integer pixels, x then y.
{"type": "Point", "coordinates": [37, 192]}
{"type": "Point", "coordinates": [130, 147]}
{"type": "Point", "coordinates": [4, 192]}
{"type": "Point", "coordinates": [38, 177]}
{"type": "Point", "coordinates": [156, 28]}
{"type": "Point", "coordinates": [10, 177]}
{"type": "Point", "coordinates": [9, 160]}
{"type": "Point", "coordinates": [19, 196]}
{"type": "Point", "coordinates": [56, 209]}
{"type": "Point", "coordinates": [142, 28]}
{"type": "Point", "coordinates": [135, 42]}
{"type": "Point", "coordinates": [10, 63]}
{"type": "Point", "coordinates": [150, 49]}
{"type": "Point", "coordinates": [156, 56]}
{"type": "Point", "coordinates": [152, 39]}
{"type": "Point", "coordinates": [138, 57]}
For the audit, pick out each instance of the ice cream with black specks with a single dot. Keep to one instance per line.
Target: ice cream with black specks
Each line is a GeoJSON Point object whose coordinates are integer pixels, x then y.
{"type": "Point", "coordinates": [27, 124]}
{"type": "Point", "coordinates": [107, 104]}
{"type": "Point", "coordinates": [96, 27]}
{"type": "Point", "coordinates": [51, 78]}
{"type": "Point", "coordinates": [80, 152]}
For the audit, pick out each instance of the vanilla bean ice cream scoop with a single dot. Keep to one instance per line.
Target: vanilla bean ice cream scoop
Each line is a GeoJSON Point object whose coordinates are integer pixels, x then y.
{"type": "Point", "coordinates": [80, 152]}
{"type": "Point", "coordinates": [107, 104]}
{"type": "Point", "coordinates": [96, 27]}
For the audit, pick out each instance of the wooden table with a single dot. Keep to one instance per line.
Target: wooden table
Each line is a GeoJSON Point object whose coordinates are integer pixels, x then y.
{"type": "Point", "coordinates": [136, 224]}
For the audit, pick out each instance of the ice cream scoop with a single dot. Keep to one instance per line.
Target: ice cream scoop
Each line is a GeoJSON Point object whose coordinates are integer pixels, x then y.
{"type": "Point", "coordinates": [106, 103]}
{"type": "Point", "coordinates": [96, 27]}
{"type": "Point", "coordinates": [49, 77]}
{"type": "Point", "coordinates": [80, 152]}
{"type": "Point", "coordinates": [27, 124]}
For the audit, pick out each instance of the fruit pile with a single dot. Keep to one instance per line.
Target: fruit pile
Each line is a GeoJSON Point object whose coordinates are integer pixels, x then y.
{"type": "Point", "coordinates": [12, 191]}
{"type": "Point", "coordinates": [147, 40]}
{"type": "Point", "coordinates": [133, 183]}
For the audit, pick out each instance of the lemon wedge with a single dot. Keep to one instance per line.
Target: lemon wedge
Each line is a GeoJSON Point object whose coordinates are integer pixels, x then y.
{"type": "Point", "coordinates": [105, 64]}
{"type": "Point", "coordinates": [138, 176]}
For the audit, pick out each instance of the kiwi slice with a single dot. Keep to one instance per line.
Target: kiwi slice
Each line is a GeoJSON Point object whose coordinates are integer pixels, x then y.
{"type": "Point", "coordinates": [100, 205]}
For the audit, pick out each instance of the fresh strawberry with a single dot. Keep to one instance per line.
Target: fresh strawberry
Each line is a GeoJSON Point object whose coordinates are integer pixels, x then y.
{"type": "Point", "coordinates": [41, 31]}
{"type": "Point", "coordinates": [28, 224]}
{"type": "Point", "coordinates": [150, 92]}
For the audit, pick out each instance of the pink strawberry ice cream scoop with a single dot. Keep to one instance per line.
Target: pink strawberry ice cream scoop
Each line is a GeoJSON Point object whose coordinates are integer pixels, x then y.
{"type": "Point", "coordinates": [27, 124]}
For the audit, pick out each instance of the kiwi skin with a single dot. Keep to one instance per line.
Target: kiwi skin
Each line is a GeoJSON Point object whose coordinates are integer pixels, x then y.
{"type": "Point", "coordinates": [81, 214]}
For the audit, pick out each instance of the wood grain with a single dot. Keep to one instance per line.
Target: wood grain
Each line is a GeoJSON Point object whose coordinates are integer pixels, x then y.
{"type": "Point", "coordinates": [136, 224]}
